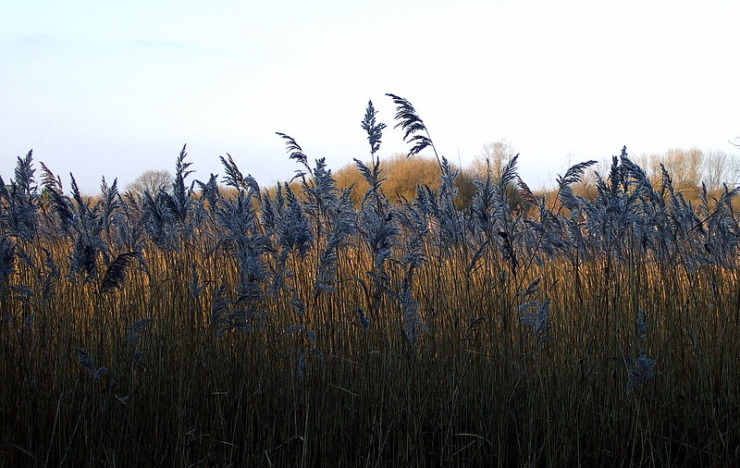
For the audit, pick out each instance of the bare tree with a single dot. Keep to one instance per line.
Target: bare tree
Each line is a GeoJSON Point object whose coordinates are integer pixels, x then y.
{"type": "Point", "coordinates": [650, 163]}
{"type": "Point", "coordinates": [602, 167]}
{"type": "Point", "coordinates": [684, 166]}
{"type": "Point", "coordinates": [721, 168]}
{"type": "Point", "coordinates": [687, 165]}
{"type": "Point", "coordinates": [493, 157]}
{"type": "Point", "coordinates": [733, 171]}
{"type": "Point", "coordinates": [152, 181]}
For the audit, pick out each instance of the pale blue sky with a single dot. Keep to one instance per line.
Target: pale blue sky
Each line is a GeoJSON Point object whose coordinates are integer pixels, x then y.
{"type": "Point", "coordinates": [102, 88]}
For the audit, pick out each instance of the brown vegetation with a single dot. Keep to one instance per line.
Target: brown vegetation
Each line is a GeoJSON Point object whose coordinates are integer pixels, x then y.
{"type": "Point", "coordinates": [254, 330]}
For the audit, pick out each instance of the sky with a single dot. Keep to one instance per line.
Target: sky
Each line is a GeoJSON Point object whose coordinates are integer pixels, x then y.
{"type": "Point", "coordinates": [113, 89]}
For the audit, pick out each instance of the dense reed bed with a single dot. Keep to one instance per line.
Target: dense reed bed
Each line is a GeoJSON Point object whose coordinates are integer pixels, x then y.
{"type": "Point", "coordinates": [293, 328]}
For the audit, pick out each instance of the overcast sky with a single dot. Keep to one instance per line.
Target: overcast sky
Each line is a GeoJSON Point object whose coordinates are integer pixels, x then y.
{"type": "Point", "coordinates": [102, 88]}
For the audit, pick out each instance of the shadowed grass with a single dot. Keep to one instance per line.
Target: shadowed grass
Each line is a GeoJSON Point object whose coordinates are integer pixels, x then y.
{"type": "Point", "coordinates": [291, 328]}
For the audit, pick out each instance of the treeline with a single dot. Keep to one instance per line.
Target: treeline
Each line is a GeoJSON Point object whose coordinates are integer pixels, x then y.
{"type": "Point", "coordinates": [691, 169]}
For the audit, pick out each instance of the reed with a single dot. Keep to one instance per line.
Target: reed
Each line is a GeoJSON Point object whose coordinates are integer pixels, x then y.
{"type": "Point", "coordinates": [292, 328]}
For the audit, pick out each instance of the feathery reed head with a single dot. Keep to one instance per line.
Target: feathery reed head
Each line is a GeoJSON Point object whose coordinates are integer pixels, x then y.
{"type": "Point", "coordinates": [411, 124]}
{"type": "Point", "coordinates": [372, 127]}
{"type": "Point", "coordinates": [116, 272]}
{"type": "Point", "coordinates": [295, 151]}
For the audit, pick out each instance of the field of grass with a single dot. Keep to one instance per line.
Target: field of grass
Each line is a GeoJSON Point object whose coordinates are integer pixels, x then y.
{"type": "Point", "coordinates": [295, 328]}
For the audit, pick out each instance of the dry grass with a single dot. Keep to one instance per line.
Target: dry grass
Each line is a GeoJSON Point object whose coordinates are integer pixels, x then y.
{"type": "Point", "coordinates": [282, 329]}
{"type": "Point", "coordinates": [478, 389]}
